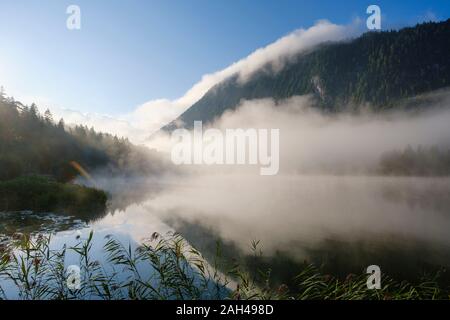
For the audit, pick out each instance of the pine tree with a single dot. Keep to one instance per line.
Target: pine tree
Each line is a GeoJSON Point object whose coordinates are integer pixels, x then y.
{"type": "Point", "coordinates": [34, 113]}
{"type": "Point", "coordinates": [2, 94]}
{"type": "Point", "coordinates": [61, 124]}
{"type": "Point", "coordinates": [48, 117]}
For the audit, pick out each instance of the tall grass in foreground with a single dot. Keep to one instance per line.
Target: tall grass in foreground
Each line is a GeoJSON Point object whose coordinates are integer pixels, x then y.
{"type": "Point", "coordinates": [168, 268]}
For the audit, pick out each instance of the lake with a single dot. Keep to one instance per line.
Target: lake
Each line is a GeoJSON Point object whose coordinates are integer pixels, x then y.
{"type": "Point", "coordinates": [344, 223]}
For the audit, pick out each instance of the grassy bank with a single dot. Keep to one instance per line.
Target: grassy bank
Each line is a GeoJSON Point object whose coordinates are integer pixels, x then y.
{"type": "Point", "coordinates": [178, 271]}
{"type": "Point", "coordinates": [43, 194]}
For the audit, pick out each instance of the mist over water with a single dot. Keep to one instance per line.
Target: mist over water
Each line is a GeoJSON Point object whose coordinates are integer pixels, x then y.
{"type": "Point", "coordinates": [328, 196]}
{"type": "Point", "coordinates": [291, 212]}
{"type": "Point", "coordinates": [329, 203]}
{"type": "Point", "coordinates": [328, 187]}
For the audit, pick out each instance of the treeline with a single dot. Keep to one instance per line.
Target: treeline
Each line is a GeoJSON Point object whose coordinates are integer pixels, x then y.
{"type": "Point", "coordinates": [32, 143]}
{"type": "Point", "coordinates": [420, 161]}
{"type": "Point", "coordinates": [378, 68]}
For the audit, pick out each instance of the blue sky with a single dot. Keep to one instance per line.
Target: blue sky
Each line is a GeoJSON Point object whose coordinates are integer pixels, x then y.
{"type": "Point", "coordinates": [130, 52]}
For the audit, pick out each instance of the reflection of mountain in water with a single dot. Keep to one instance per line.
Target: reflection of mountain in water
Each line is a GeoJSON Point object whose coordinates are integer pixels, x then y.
{"type": "Point", "coordinates": [399, 258]}
{"type": "Point", "coordinates": [283, 267]}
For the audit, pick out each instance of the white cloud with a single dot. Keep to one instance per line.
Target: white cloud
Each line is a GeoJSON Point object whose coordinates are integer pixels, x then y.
{"type": "Point", "coordinates": [152, 115]}
{"type": "Point", "coordinates": [101, 122]}
{"type": "Point", "coordinates": [156, 113]}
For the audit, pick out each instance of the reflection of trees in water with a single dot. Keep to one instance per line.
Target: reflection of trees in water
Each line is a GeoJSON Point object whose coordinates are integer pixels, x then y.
{"type": "Point", "coordinates": [433, 194]}
{"type": "Point", "coordinates": [283, 267]}
{"type": "Point", "coordinates": [131, 195]}
{"type": "Point", "coordinates": [89, 215]}
{"type": "Point", "coordinates": [403, 259]}
{"type": "Point", "coordinates": [420, 161]}
{"type": "Point", "coordinates": [125, 192]}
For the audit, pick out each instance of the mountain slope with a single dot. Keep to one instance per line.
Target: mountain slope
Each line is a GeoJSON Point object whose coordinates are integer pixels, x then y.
{"type": "Point", "coordinates": [379, 68]}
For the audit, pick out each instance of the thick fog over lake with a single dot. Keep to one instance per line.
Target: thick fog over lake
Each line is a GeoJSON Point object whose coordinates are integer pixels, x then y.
{"type": "Point", "coordinates": [328, 196]}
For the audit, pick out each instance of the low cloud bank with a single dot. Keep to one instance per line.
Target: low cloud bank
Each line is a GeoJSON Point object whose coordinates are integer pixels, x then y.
{"type": "Point", "coordinates": [346, 143]}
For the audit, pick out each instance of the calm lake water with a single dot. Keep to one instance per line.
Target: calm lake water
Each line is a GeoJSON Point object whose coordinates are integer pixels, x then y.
{"type": "Point", "coordinates": [344, 223]}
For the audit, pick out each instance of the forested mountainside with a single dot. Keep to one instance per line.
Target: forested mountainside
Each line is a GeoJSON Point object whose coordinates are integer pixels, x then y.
{"type": "Point", "coordinates": [31, 143]}
{"type": "Point", "coordinates": [378, 68]}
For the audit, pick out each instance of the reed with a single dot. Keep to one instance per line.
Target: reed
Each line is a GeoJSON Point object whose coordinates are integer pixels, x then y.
{"type": "Point", "coordinates": [176, 270]}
